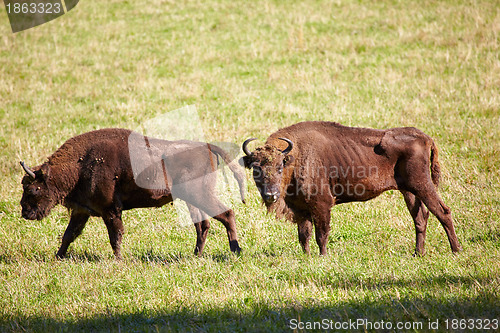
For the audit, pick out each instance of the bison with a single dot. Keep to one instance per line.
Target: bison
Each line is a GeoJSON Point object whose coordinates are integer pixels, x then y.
{"type": "Point", "coordinates": [305, 169]}
{"type": "Point", "coordinates": [93, 174]}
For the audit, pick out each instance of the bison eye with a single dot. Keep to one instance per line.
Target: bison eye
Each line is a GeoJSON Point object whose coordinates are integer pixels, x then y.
{"type": "Point", "coordinates": [280, 169]}
{"type": "Point", "coordinates": [34, 190]}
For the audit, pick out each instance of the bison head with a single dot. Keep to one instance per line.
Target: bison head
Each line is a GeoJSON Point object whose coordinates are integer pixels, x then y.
{"type": "Point", "coordinates": [37, 200]}
{"type": "Point", "coordinates": [268, 164]}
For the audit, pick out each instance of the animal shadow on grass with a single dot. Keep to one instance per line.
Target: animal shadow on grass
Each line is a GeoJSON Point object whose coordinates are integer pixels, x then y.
{"type": "Point", "coordinates": [50, 257]}
{"type": "Point", "coordinates": [84, 256]}
{"type": "Point", "coordinates": [7, 259]}
{"type": "Point", "coordinates": [275, 316]}
{"type": "Point", "coordinates": [486, 236]}
{"type": "Point", "coordinates": [150, 256]}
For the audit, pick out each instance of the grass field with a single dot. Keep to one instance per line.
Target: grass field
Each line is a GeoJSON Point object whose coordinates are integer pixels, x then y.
{"type": "Point", "coordinates": [251, 68]}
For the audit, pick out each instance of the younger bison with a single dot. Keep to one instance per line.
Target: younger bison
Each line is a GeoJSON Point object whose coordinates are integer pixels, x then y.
{"type": "Point", "coordinates": [93, 174]}
{"type": "Point", "coordinates": [305, 169]}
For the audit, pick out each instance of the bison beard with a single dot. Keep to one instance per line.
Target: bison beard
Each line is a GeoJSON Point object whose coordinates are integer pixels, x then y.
{"type": "Point", "coordinates": [91, 175]}
{"type": "Point", "coordinates": [325, 163]}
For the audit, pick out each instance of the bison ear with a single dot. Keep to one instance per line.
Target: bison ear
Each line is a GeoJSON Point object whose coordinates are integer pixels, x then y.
{"type": "Point", "coordinates": [288, 160]}
{"type": "Point", "coordinates": [246, 161]}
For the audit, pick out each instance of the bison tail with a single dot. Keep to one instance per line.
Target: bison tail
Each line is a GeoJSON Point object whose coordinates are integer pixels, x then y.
{"type": "Point", "coordinates": [435, 167]}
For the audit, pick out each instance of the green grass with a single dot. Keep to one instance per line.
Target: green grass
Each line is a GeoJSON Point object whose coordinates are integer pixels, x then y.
{"type": "Point", "coordinates": [251, 68]}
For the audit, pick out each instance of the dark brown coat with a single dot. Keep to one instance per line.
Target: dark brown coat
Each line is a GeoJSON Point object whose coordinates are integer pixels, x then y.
{"type": "Point", "coordinates": [91, 174]}
{"type": "Point", "coordinates": [331, 164]}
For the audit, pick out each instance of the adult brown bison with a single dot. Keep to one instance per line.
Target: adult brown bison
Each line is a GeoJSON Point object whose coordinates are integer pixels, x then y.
{"type": "Point", "coordinates": [305, 169]}
{"type": "Point", "coordinates": [105, 172]}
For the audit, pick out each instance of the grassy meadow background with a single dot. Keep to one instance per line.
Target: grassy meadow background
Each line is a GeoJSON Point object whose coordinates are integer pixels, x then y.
{"type": "Point", "coordinates": [251, 67]}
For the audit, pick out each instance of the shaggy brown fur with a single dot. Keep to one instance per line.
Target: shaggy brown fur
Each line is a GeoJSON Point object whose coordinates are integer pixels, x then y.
{"type": "Point", "coordinates": [332, 164]}
{"type": "Point", "coordinates": [91, 174]}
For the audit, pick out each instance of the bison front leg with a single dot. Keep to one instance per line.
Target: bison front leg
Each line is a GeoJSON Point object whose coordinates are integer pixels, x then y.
{"type": "Point", "coordinates": [321, 220]}
{"type": "Point", "coordinates": [115, 228]}
{"type": "Point", "coordinates": [304, 228]}
{"type": "Point", "coordinates": [322, 231]}
{"type": "Point", "coordinates": [75, 227]}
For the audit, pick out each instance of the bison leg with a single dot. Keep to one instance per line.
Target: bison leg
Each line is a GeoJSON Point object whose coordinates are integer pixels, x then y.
{"type": "Point", "coordinates": [115, 228]}
{"type": "Point", "coordinates": [320, 215]}
{"type": "Point", "coordinates": [443, 213]}
{"type": "Point", "coordinates": [75, 227]}
{"type": "Point", "coordinates": [304, 228]}
{"type": "Point", "coordinates": [201, 236]}
{"type": "Point", "coordinates": [322, 229]}
{"type": "Point", "coordinates": [420, 215]}
{"type": "Point", "coordinates": [229, 221]}
{"type": "Point", "coordinates": [202, 224]}
{"type": "Point", "coordinates": [212, 206]}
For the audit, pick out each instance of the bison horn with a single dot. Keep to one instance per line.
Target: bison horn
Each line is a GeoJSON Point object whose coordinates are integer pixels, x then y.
{"type": "Point", "coordinates": [244, 146]}
{"type": "Point", "coordinates": [290, 146]}
{"type": "Point", "coordinates": [28, 170]}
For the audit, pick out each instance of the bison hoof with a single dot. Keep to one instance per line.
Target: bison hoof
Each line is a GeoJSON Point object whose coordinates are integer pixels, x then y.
{"type": "Point", "coordinates": [198, 252]}
{"type": "Point", "coordinates": [237, 251]}
{"type": "Point", "coordinates": [60, 256]}
{"type": "Point", "coordinates": [457, 250]}
{"type": "Point", "coordinates": [418, 254]}
{"type": "Point", "coordinates": [235, 248]}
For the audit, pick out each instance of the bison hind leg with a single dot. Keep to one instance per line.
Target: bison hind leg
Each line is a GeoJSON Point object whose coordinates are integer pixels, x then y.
{"type": "Point", "coordinates": [420, 215]}
{"type": "Point", "coordinates": [114, 224]}
{"type": "Point", "coordinates": [415, 177]}
{"type": "Point", "coordinates": [229, 221]}
{"type": "Point", "coordinates": [431, 199]}
{"type": "Point", "coordinates": [211, 206]}
{"type": "Point", "coordinates": [202, 224]}
{"type": "Point", "coordinates": [201, 236]}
